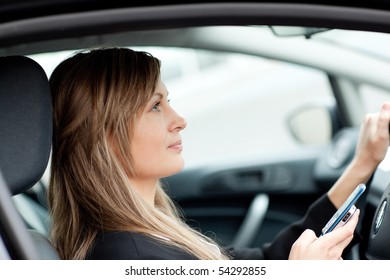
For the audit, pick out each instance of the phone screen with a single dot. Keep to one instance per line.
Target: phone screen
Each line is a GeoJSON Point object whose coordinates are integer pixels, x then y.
{"type": "Point", "coordinates": [345, 212]}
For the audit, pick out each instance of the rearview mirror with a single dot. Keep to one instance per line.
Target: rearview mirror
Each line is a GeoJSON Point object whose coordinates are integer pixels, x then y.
{"type": "Point", "coordinates": [294, 31]}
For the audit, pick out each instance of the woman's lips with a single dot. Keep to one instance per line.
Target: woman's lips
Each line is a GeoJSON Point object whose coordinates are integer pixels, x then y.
{"type": "Point", "coordinates": [176, 146]}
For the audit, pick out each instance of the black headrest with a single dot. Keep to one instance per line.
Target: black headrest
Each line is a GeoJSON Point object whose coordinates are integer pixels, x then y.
{"type": "Point", "coordinates": [25, 122]}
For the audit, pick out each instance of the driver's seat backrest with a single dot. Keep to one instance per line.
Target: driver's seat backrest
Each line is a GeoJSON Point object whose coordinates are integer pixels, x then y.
{"type": "Point", "coordinates": [25, 145]}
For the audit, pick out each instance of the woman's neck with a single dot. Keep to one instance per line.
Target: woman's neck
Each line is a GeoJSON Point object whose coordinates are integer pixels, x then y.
{"type": "Point", "coordinates": [145, 188]}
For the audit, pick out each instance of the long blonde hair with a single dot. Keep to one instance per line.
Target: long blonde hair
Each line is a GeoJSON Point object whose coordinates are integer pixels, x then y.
{"type": "Point", "coordinates": [96, 96]}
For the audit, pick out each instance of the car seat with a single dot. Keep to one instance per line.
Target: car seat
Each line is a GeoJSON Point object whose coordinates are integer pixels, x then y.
{"type": "Point", "coordinates": [25, 144]}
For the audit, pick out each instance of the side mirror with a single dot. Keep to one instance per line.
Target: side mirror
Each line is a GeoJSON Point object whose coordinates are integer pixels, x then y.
{"type": "Point", "coordinates": [312, 124]}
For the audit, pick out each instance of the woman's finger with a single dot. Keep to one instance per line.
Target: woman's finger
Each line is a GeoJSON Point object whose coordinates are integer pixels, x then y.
{"type": "Point", "coordinates": [302, 244]}
{"type": "Point", "coordinates": [342, 236]}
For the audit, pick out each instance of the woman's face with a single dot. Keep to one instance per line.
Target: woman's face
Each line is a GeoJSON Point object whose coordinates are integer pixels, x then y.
{"type": "Point", "coordinates": [156, 142]}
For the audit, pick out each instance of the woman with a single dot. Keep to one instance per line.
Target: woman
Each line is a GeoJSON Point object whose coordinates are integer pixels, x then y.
{"type": "Point", "coordinates": [115, 136]}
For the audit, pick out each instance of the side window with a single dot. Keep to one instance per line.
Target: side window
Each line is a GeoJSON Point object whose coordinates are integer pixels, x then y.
{"type": "Point", "coordinates": [236, 106]}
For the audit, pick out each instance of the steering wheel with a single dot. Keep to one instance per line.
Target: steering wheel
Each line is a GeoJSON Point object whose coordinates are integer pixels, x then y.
{"type": "Point", "coordinates": [378, 244]}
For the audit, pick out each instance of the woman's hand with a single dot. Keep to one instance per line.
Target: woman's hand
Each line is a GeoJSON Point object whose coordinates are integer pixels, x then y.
{"type": "Point", "coordinates": [374, 138]}
{"type": "Point", "coordinates": [327, 247]}
{"type": "Point", "coordinates": [371, 149]}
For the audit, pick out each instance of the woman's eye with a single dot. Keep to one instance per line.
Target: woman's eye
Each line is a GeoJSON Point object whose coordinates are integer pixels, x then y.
{"type": "Point", "coordinates": [156, 106]}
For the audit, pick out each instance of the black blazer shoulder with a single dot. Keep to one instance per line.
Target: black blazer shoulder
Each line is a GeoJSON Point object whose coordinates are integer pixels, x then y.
{"type": "Point", "coordinates": [133, 246]}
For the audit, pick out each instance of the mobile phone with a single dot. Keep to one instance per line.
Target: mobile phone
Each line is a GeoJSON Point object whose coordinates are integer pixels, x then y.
{"type": "Point", "coordinates": [345, 212]}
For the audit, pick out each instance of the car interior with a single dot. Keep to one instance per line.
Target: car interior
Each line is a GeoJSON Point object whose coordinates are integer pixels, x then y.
{"type": "Point", "coordinates": [243, 202]}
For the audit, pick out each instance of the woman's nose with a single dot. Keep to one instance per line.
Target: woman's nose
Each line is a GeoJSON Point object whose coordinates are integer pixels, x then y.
{"type": "Point", "coordinates": [179, 122]}
{"type": "Point", "coordinates": [183, 123]}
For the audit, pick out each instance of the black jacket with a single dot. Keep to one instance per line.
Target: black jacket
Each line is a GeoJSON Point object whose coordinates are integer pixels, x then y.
{"type": "Point", "coordinates": [135, 246]}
